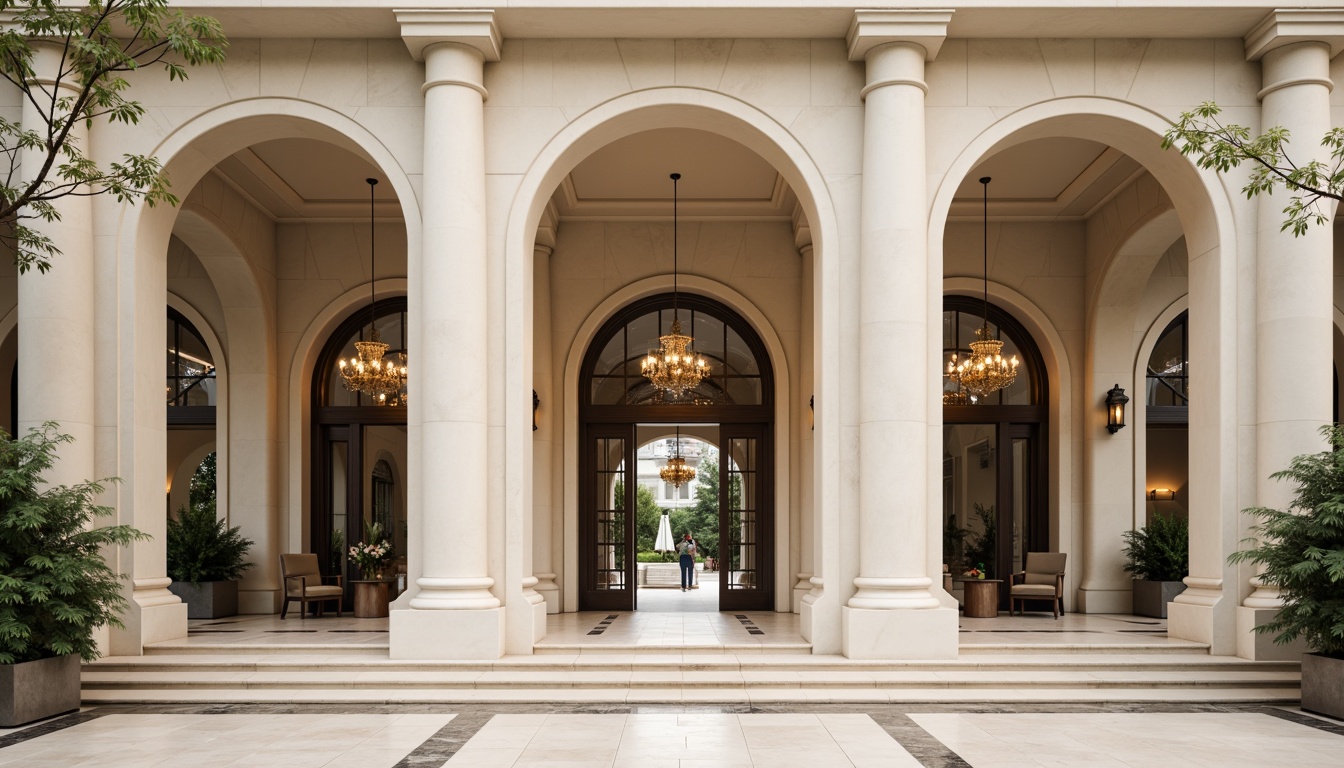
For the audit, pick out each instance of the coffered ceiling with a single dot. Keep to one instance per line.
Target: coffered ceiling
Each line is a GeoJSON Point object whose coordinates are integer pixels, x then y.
{"type": "Point", "coordinates": [1048, 179]}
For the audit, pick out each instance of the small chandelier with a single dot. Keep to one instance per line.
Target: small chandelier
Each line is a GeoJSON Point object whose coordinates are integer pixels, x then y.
{"type": "Point", "coordinates": [985, 371]}
{"type": "Point", "coordinates": [675, 470]}
{"type": "Point", "coordinates": [674, 368]}
{"type": "Point", "coordinates": [368, 373]}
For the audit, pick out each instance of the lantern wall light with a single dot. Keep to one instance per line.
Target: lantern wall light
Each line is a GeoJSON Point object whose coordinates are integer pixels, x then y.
{"type": "Point", "coordinates": [1115, 409]}
{"type": "Point", "coordinates": [1161, 494]}
{"type": "Point", "coordinates": [536, 403]}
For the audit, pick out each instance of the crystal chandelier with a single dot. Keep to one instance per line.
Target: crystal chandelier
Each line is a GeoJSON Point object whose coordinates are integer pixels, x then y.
{"type": "Point", "coordinates": [675, 470]}
{"type": "Point", "coordinates": [985, 370]}
{"type": "Point", "coordinates": [674, 368]}
{"type": "Point", "coordinates": [368, 373]}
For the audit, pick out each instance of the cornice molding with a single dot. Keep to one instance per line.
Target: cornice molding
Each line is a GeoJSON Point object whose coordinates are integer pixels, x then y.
{"type": "Point", "coordinates": [871, 28]}
{"type": "Point", "coordinates": [1286, 26]}
{"type": "Point", "coordinates": [476, 29]}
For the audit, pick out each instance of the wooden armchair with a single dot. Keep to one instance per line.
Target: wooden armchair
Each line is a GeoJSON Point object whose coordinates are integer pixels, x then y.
{"type": "Point", "coordinates": [304, 582]}
{"type": "Point", "coordinates": [1042, 578]}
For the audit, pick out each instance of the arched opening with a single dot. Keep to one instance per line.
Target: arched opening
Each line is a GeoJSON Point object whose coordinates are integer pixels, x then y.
{"type": "Point", "coordinates": [358, 451]}
{"type": "Point", "coordinates": [192, 392]}
{"type": "Point", "coordinates": [620, 411]}
{"type": "Point", "coordinates": [995, 452]}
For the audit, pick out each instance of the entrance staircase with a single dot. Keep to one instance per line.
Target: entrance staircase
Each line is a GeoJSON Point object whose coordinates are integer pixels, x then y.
{"type": "Point", "coordinates": [672, 674]}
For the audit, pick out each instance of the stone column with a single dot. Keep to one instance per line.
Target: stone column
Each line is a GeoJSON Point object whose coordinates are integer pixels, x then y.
{"type": "Point", "coordinates": [56, 308]}
{"type": "Point", "coordinates": [543, 437]}
{"type": "Point", "coordinates": [1293, 278]}
{"type": "Point", "coordinates": [453, 613]}
{"type": "Point", "coordinates": [806, 535]}
{"type": "Point", "coordinates": [893, 614]}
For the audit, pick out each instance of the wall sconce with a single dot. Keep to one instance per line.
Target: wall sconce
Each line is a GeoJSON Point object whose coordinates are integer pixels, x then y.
{"type": "Point", "coordinates": [536, 403]}
{"type": "Point", "coordinates": [1115, 409]}
{"type": "Point", "coordinates": [1161, 494]}
{"type": "Point", "coordinates": [812, 413]}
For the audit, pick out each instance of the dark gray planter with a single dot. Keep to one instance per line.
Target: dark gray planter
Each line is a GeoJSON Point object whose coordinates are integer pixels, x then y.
{"type": "Point", "coordinates": [1323, 684]}
{"type": "Point", "coordinates": [208, 599]}
{"type": "Point", "coordinates": [34, 690]}
{"type": "Point", "coordinates": [1151, 597]}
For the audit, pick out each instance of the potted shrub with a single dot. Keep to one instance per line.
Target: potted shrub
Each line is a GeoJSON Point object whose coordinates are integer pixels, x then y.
{"type": "Point", "coordinates": [1302, 552]}
{"type": "Point", "coordinates": [1159, 557]}
{"type": "Point", "coordinates": [55, 586]}
{"type": "Point", "coordinates": [205, 560]}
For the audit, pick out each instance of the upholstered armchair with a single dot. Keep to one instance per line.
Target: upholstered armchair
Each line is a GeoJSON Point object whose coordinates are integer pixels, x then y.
{"type": "Point", "coordinates": [1042, 578]}
{"type": "Point", "coordinates": [304, 582]}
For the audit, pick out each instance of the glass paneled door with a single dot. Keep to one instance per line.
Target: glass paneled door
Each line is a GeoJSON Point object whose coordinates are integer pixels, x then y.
{"type": "Point", "coordinates": [746, 520]}
{"type": "Point", "coordinates": [606, 521]}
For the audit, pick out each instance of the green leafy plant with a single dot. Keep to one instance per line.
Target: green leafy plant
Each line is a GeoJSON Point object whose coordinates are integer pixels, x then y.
{"type": "Point", "coordinates": [1222, 147]}
{"type": "Point", "coordinates": [981, 547]}
{"type": "Point", "coordinates": [55, 586]}
{"type": "Point", "coordinates": [202, 548]}
{"type": "Point", "coordinates": [1302, 550]}
{"type": "Point", "coordinates": [98, 42]}
{"type": "Point", "coordinates": [1160, 551]}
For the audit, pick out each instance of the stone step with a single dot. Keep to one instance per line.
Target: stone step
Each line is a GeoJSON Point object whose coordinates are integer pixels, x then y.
{"type": "Point", "coordinates": [726, 680]}
{"type": "Point", "coordinates": [710, 663]}
{"type": "Point", "coordinates": [693, 695]}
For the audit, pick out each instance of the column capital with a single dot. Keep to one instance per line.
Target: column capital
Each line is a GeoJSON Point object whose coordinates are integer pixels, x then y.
{"type": "Point", "coordinates": [870, 29]}
{"type": "Point", "coordinates": [1287, 26]}
{"type": "Point", "coordinates": [471, 28]}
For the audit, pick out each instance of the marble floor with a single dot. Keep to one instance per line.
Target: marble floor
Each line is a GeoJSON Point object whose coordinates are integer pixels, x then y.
{"type": "Point", "coordinates": [664, 736]}
{"type": "Point", "coordinates": [670, 617]}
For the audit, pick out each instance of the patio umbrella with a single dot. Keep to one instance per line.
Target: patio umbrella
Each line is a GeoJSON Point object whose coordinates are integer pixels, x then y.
{"type": "Point", "coordinates": [665, 542]}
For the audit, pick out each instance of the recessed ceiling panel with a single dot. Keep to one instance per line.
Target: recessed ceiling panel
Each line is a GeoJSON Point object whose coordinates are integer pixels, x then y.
{"type": "Point", "coordinates": [637, 168]}
{"type": "Point", "coordinates": [1034, 170]}
{"type": "Point", "coordinates": [318, 171]}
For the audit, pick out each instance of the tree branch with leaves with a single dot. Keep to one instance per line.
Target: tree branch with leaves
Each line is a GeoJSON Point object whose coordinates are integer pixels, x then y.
{"type": "Point", "coordinates": [93, 46]}
{"type": "Point", "coordinates": [1220, 147]}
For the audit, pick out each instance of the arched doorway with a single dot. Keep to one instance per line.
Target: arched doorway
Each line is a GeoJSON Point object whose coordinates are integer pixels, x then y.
{"type": "Point", "coordinates": [735, 403]}
{"type": "Point", "coordinates": [358, 447]}
{"type": "Point", "coordinates": [995, 461]}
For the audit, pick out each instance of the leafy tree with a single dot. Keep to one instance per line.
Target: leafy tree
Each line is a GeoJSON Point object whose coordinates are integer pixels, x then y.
{"type": "Point", "coordinates": [647, 513]}
{"type": "Point", "coordinates": [55, 586]}
{"type": "Point", "coordinates": [202, 490]}
{"type": "Point", "coordinates": [1302, 550]}
{"type": "Point", "coordinates": [200, 547]}
{"type": "Point", "coordinates": [1222, 147]}
{"type": "Point", "coordinates": [98, 43]}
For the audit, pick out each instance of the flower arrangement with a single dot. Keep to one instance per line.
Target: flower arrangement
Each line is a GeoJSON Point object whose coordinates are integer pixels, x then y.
{"type": "Point", "coordinates": [975, 573]}
{"type": "Point", "coordinates": [373, 554]}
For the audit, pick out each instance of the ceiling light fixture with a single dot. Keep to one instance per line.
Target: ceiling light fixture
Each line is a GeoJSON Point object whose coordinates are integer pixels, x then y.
{"type": "Point", "coordinates": [367, 373]}
{"type": "Point", "coordinates": [674, 368]}
{"type": "Point", "coordinates": [985, 370]}
{"type": "Point", "coordinates": [675, 470]}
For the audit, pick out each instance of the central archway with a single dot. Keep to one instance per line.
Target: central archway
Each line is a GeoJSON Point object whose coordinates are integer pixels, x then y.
{"type": "Point", "coordinates": [736, 400]}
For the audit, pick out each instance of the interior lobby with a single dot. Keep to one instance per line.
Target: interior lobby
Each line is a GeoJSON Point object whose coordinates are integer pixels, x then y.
{"type": "Point", "coordinates": [859, 193]}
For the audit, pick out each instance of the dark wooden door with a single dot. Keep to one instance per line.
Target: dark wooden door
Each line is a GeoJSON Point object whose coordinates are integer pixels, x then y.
{"type": "Point", "coordinates": [607, 569]}
{"type": "Point", "coordinates": [746, 519]}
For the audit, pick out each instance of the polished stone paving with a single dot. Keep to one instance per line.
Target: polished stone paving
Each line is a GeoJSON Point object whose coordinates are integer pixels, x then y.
{"type": "Point", "coordinates": [667, 736]}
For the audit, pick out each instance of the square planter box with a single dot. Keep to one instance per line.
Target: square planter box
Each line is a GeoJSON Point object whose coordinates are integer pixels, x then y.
{"type": "Point", "coordinates": [1151, 597]}
{"type": "Point", "coordinates": [1323, 684]}
{"type": "Point", "coordinates": [208, 599]}
{"type": "Point", "coordinates": [38, 689]}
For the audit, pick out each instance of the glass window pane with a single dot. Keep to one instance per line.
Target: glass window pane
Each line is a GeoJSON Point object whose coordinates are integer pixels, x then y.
{"type": "Point", "coordinates": [970, 477]}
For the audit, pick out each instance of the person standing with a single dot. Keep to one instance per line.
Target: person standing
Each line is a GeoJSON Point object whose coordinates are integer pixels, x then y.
{"type": "Point", "coordinates": [686, 549]}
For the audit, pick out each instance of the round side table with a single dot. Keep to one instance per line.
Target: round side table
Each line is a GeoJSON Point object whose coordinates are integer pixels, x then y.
{"type": "Point", "coordinates": [371, 598]}
{"type": "Point", "coordinates": [982, 598]}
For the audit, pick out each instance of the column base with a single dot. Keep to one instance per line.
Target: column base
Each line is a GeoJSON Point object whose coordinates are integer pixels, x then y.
{"type": "Point", "coordinates": [539, 611]}
{"type": "Point", "coordinates": [1105, 600]}
{"type": "Point", "coordinates": [1261, 646]}
{"type": "Point", "coordinates": [899, 634]}
{"type": "Point", "coordinates": [800, 590]}
{"type": "Point", "coordinates": [430, 634]}
{"type": "Point", "coordinates": [549, 591]}
{"type": "Point", "coordinates": [146, 625]}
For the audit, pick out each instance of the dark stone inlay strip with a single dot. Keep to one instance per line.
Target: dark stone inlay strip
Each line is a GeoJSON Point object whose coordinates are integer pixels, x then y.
{"type": "Point", "coordinates": [929, 751]}
{"type": "Point", "coordinates": [212, 631]}
{"type": "Point", "coordinates": [1329, 726]}
{"type": "Point", "coordinates": [437, 749]}
{"type": "Point", "coordinates": [291, 631]}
